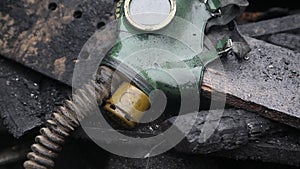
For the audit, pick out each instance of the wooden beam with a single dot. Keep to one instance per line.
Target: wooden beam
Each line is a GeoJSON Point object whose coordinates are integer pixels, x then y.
{"type": "Point", "coordinates": [239, 135]}
{"type": "Point", "coordinates": [272, 26]}
{"type": "Point", "coordinates": [49, 39]}
{"type": "Point", "coordinates": [268, 83]}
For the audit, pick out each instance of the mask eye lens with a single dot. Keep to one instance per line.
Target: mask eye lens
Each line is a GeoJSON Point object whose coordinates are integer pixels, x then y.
{"type": "Point", "coordinates": [149, 14]}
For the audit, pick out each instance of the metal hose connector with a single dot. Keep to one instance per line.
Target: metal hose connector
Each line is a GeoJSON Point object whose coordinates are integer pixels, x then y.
{"type": "Point", "coordinates": [66, 119]}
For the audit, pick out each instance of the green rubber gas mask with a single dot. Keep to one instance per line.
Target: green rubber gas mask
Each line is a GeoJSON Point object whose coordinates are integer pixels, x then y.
{"type": "Point", "coordinates": [161, 45]}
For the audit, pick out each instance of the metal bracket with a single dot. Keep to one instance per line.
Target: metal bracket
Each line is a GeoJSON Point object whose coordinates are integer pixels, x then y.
{"type": "Point", "coordinates": [226, 47]}
{"type": "Point", "coordinates": [214, 6]}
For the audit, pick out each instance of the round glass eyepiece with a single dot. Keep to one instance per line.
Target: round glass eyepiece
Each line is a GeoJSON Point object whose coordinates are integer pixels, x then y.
{"type": "Point", "coordinates": [149, 15]}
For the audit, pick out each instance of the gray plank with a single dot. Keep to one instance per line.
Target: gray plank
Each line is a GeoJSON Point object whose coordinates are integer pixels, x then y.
{"type": "Point", "coordinates": [268, 83]}
{"type": "Point", "coordinates": [272, 26]}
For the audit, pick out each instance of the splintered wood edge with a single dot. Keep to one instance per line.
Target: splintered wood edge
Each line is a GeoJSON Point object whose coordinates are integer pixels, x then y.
{"type": "Point", "coordinates": [210, 86]}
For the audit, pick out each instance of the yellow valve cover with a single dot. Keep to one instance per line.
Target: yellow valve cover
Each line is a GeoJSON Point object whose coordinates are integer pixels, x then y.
{"type": "Point", "coordinates": [128, 103]}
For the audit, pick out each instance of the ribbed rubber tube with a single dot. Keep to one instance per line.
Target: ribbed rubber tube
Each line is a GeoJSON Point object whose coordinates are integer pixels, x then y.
{"type": "Point", "coordinates": [65, 120]}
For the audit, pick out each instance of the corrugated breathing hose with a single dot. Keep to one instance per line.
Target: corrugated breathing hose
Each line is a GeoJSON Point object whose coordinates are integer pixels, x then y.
{"type": "Point", "coordinates": [66, 119]}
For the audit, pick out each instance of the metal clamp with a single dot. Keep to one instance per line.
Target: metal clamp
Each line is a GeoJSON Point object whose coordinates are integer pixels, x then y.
{"type": "Point", "coordinates": [224, 46]}
{"type": "Point", "coordinates": [214, 6]}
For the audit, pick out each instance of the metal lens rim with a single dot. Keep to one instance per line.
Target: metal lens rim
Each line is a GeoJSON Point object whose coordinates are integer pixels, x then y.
{"type": "Point", "coordinates": [159, 26]}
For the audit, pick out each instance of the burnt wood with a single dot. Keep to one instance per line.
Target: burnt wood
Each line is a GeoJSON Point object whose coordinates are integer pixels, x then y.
{"type": "Point", "coordinates": [240, 135]}
{"type": "Point", "coordinates": [288, 40]}
{"type": "Point", "coordinates": [272, 26]}
{"type": "Point", "coordinates": [27, 97]}
{"type": "Point", "coordinates": [48, 35]}
{"type": "Point", "coordinates": [267, 83]}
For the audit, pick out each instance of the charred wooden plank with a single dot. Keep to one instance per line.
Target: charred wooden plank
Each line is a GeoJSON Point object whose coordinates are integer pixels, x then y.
{"type": "Point", "coordinates": [27, 97]}
{"type": "Point", "coordinates": [239, 135]}
{"type": "Point", "coordinates": [290, 41]}
{"type": "Point", "coordinates": [268, 83]}
{"type": "Point", "coordinates": [281, 150]}
{"type": "Point", "coordinates": [272, 26]}
{"type": "Point", "coordinates": [235, 129]}
{"type": "Point", "coordinates": [47, 36]}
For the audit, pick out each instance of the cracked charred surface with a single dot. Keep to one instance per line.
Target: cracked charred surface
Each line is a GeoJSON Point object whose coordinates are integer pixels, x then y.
{"type": "Point", "coordinates": [268, 83]}
{"type": "Point", "coordinates": [48, 35]}
{"type": "Point", "coordinates": [283, 148]}
{"type": "Point", "coordinates": [240, 135]}
{"type": "Point", "coordinates": [271, 26]}
{"type": "Point", "coordinates": [27, 97]}
{"type": "Point", "coordinates": [287, 40]}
